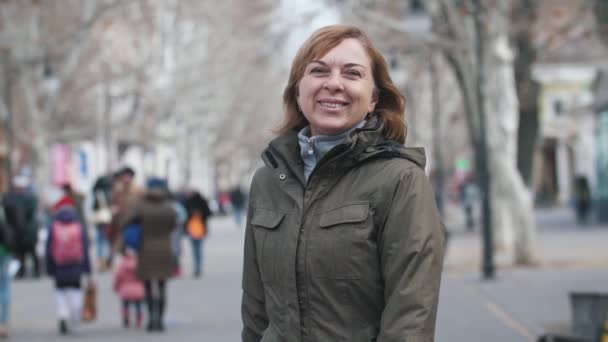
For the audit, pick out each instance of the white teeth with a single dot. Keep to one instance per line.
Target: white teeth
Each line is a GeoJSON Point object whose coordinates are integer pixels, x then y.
{"type": "Point", "coordinates": [331, 105]}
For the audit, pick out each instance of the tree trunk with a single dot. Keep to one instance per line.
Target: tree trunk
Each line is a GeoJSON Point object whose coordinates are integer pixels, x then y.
{"type": "Point", "coordinates": [601, 17]}
{"type": "Point", "coordinates": [40, 142]}
{"type": "Point", "coordinates": [438, 171]}
{"type": "Point", "coordinates": [512, 202]}
{"type": "Point", "coordinates": [524, 15]}
{"type": "Point", "coordinates": [527, 133]}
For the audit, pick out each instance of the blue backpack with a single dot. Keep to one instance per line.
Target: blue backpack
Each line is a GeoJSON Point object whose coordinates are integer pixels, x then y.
{"type": "Point", "coordinates": [132, 236]}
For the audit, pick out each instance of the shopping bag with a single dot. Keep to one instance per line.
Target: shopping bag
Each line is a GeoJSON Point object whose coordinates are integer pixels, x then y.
{"type": "Point", "coordinates": [103, 214]}
{"type": "Point", "coordinates": [13, 267]}
{"type": "Point", "coordinates": [89, 309]}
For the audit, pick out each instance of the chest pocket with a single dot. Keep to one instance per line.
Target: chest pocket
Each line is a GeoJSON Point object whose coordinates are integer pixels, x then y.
{"type": "Point", "coordinates": [343, 245]}
{"type": "Point", "coordinates": [268, 241]}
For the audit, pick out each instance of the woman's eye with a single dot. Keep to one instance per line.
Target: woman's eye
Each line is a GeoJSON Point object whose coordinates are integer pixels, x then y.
{"type": "Point", "coordinates": [353, 73]}
{"type": "Point", "coordinates": [316, 70]}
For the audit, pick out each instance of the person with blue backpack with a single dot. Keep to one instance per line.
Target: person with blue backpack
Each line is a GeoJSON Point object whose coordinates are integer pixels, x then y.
{"type": "Point", "coordinates": [67, 261]}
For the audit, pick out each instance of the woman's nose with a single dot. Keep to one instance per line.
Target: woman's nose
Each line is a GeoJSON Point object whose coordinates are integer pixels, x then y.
{"type": "Point", "coordinates": [334, 83]}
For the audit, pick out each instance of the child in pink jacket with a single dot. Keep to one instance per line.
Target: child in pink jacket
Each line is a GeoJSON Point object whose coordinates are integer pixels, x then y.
{"type": "Point", "coordinates": [129, 288]}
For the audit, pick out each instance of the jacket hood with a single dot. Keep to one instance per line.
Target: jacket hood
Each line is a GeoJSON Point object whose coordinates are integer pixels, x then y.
{"type": "Point", "coordinates": [369, 142]}
{"type": "Point", "coordinates": [363, 144]}
{"type": "Point", "coordinates": [156, 194]}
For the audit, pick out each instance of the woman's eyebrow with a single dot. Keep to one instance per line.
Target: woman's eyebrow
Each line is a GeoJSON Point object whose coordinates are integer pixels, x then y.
{"type": "Point", "coordinates": [318, 61]}
{"type": "Point", "coordinates": [351, 65]}
{"type": "Point", "coordinates": [347, 65]}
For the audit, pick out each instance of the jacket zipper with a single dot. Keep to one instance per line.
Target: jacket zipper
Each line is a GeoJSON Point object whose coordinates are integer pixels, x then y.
{"type": "Point", "coordinates": [310, 148]}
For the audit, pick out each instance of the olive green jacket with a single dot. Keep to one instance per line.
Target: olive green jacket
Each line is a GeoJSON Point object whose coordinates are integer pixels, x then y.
{"type": "Point", "coordinates": [354, 254]}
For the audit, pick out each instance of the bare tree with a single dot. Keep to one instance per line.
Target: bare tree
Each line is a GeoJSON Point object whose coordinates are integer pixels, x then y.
{"type": "Point", "coordinates": [145, 72]}
{"type": "Point", "coordinates": [48, 43]}
{"type": "Point", "coordinates": [523, 18]}
{"type": "Point", "coordinates": [601, 17]}
{"type": "Point", "coordinates": [512, 207]}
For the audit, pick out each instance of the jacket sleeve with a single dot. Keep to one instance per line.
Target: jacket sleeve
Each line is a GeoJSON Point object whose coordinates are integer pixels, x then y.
{"type": "Point", "coordinates": [253, 310]}
{"type": "Point", "coordinates": [205, 209]}
{"type": "Point", "coordinates": [411, 255]}
{"type": "Point", "coordinates": [49, 260]}
{"type": "Point", "coordinates": [85, 243]}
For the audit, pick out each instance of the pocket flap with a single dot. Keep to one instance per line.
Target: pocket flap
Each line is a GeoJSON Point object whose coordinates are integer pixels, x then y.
{"type": "Point", "coordinates": [266, 218]}
{"type": "Point", "coordinates": [347, 214]}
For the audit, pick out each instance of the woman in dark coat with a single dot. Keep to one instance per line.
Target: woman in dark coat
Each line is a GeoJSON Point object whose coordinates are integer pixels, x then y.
{"type": "Point", "coordinates": [156, 264]}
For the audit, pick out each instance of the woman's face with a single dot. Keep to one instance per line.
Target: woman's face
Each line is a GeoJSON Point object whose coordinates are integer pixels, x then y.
{"type": "Point", "coordinates": [337, 90]}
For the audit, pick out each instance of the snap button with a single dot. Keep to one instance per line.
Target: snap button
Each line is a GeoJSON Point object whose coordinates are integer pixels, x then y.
{"type": "Point", "coordinates": [282, 176]}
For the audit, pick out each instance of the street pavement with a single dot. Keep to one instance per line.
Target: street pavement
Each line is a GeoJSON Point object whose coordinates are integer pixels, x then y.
{"type": "Point", "coordinates": [518, 305]}
{"type": "Point", "coordinates": [203, 309]}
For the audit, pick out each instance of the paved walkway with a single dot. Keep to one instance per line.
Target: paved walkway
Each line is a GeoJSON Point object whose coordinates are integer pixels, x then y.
{"type": "Point", "coordinates": [521, 303]}
{"type": "Point", "coordinates": [517, 306]}
{"type": "Point", "coordinates": [205, 309]}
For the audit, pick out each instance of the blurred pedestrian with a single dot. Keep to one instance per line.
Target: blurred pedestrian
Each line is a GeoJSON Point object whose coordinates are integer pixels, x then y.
{"type": "Point", "coordinates": [67, 261]}
{"type": "Point", "coordinates": [582, 199]}
{"type": "Point", "coordinates": [156, 263]}
{"type": "Point", "coordinates": [197, 227]}
{"type": "Point", "coordinates": [237, 200]}
{"type": "Point", "coordinates": [125, 194]}
{"type": "Point", "coordinates": [343, 241]}
{"type": "Point", "coordinates": [7, 241]}
{"type": "Point", "coordinates": [223, 202]}
{"type": "Point", "coordinates": [468, 197]}
{"type": "Point", "coordinates": [102, 215]}
{"type": "Point", "coordinates": [129, 287]}
{"type": "Point", "coordinates": [176, 235]}
{"type": "Point", "coordinates": [21, 208]}
{"type": "Point", "coordinates": [78, 199]}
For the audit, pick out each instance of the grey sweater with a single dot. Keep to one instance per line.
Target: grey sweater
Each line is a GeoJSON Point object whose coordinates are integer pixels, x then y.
{"type": "Point", "coordinates": [313, 148]}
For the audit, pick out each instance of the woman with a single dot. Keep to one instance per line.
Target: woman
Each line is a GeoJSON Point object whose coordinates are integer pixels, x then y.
{"type": "Point", "coordinates": [198, 216]}
{"type": "Point", "coordinates": [7, 241]}
{"type": "Point", "coordinates": [343, 239]}
{"type": "Point", "coordinates": [157, 219]}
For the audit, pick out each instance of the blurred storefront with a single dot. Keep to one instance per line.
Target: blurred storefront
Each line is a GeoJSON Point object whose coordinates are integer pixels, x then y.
{"type": "Point", "coordinates": [566, 67]}
{"type": "Point", "coordinates": [601, 108]}
{"type": "Point", "coordinates": [4, 181]}
{"type": "Point", "coordinates": [566, 145]}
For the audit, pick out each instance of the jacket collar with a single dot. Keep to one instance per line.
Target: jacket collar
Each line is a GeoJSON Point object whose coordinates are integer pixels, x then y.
{"type": "Point", "coordinates": [367, 142]}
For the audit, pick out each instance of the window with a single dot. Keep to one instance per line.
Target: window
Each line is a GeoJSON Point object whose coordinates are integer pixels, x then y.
{"type": "Point", "coordinates": [393, 62]}
{"type": "Point", "coordinates": [369, 4]}
{"type": "Point", "coordinates": [416, 6]}
{"type": "Point", "coordinates": [558, 107]}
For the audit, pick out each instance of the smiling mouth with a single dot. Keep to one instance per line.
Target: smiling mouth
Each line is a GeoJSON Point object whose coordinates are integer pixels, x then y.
{"type": "Point", "coordinates": [332, 105]}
